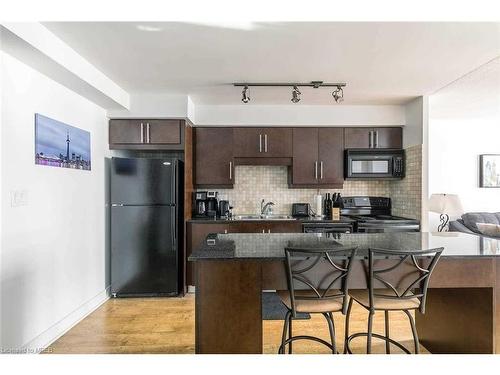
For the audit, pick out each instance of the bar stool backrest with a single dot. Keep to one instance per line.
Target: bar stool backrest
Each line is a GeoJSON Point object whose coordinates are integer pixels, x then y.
{"type": "Point", "coordinates": [323, 272]}
{"type": "Point", "coordinates": [413, 277]}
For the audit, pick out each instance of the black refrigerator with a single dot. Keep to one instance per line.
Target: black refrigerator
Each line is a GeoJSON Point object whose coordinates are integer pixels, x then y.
{"type": "Point", "coordinates": [146, 226]}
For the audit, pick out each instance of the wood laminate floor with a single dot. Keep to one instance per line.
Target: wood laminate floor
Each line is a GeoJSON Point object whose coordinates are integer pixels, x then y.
{"type": "Point", "coordinates": [166, 325]}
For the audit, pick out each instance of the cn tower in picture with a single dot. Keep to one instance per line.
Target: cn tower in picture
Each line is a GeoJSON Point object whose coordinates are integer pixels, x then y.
{"type": "Point", "coordinates": [67, 146]}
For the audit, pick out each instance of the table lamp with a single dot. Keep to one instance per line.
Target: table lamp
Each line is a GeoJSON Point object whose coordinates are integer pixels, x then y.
{"type": "Point", "coordinates": [445, 205]}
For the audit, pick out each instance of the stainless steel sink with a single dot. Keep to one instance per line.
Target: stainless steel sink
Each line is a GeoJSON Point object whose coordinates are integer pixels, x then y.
{"type": "Point", "coordinates": [263, 217]}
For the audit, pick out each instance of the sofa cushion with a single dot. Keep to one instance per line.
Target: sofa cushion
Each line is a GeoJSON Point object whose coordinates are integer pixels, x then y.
{"type": "Point", "coordinates": [492, 230]}
{"type": "Point", "coordinates": [472, 218]}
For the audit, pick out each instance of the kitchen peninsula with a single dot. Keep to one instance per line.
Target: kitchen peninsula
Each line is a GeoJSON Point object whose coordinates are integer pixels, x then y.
{"type": "Point", "coordinates": [232, 270]}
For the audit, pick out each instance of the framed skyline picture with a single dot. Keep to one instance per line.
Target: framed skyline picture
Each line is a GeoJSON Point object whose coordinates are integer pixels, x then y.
{"type": "Point", "coordinates": [489, 171]}
{"type": "Point", "coordinates": [61, 145]}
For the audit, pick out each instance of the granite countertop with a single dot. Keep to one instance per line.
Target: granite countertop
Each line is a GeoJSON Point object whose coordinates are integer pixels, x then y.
{"type": "Point", "coordinates": [270, 246]}
{"type": "Point", "coordinates": [310, 219]}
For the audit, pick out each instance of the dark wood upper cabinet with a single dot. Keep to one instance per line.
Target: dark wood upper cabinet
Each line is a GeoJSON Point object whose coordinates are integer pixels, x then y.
{"type": "Point", "coordinates": [318, 155]}
{"type": "Point", "coordinates": [262, 142]}
{"type": "Point", "coordinates": [126, 131]}
{"type": "Point", "coordinates": [213, 151]}
{"type": "Point", "coordinates": [163, 131]}
{"type": "Point", "coordinates": [331, 156]}
{"type": "Point", "coordinates": [357, 137]}
{"type": "Point", "coordinates": [305, 156]}
{"type": "Point", "coordinates": [146, 134]}
{"type": "Point", "coordinates": [389, 137]}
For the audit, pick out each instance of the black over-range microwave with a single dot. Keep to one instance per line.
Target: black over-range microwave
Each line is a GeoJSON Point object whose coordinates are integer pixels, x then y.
{"type": "Point", "coordinates": [374, 163]}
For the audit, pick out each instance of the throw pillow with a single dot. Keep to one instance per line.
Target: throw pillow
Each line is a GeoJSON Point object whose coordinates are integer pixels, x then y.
{"type": "Point", "coordinates": [492, 230]}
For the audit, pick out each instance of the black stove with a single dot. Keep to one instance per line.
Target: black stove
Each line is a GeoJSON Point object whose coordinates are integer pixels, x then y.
{"type": "Point", "coordinates": [373, 215]}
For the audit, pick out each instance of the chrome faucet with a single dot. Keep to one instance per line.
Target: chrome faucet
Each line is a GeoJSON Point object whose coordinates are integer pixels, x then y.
{"type": "Point", "coordinates": [265, 207]}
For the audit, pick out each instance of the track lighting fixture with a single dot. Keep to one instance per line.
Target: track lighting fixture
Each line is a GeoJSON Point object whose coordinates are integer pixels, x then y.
{"type": "Point", "coordinates": [245, 97]}
{"type": "Point", "coordinates": [295, 95]}
{"type": "Point", "coordinates": [338, 94]}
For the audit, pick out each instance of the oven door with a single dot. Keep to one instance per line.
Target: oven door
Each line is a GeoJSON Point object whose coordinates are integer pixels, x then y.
{"type": "Point", "coordinates": [327, 228]}
{"type": "Point", "coordinates": [385, 227]}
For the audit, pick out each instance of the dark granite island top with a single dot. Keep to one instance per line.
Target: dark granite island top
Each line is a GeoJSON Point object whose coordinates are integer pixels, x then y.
{"type": "Point", "coordinates": [463, 303]}
{"type": "Point", "coordinates": [270, 246]}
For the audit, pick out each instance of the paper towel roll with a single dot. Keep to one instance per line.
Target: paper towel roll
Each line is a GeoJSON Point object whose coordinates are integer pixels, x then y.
{"type": "Point", "coordinates": [318, 199]}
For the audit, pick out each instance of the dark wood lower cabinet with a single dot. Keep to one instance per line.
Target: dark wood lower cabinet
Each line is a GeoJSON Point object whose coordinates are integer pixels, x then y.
{"type": "Point", "coordinates": [462, 311]}
{"type": "Point", "coordinates": [223, 283]}
{"type": "Point", "coordinates": [197, 232]}
{"type": "Point", "coordinates": [266, 227]}
{"type": "Point", "coordinates": [195, 235]}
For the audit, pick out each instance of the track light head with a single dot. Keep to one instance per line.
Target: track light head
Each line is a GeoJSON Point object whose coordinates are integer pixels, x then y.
{"type": "Point", "coordinates": [295, 95]}
{"type": "Point", "coordinates": [245, 97]}
{"type": "Point", "coordinates": [338, 94]}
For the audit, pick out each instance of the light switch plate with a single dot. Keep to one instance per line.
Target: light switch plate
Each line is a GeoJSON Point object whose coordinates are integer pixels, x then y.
{"type": "Point", "coordinates": [19, 198]}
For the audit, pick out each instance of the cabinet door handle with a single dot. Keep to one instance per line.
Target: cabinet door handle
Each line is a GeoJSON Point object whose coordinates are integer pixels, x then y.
{"type": "Point", "coordinates": [230, 170]}
{"type": "Point", "coordinates": [321, 170]}
{"type": "Point", "coordinates": [142, 132]}
{"type": "Point", "coordinates": [265, 142]}
{"type": "Point", "coordinates": [370, 139]}
{"type": "Point", "coordinates": [263, 231]}
{"type": "Point", "coordinates": [225, 231]}
{"type": "Point", "coordinates": [148, 137]}
{"type": "Point", "coordinates": [269, 231]}
{"type": "Point", "coordinates": [316, 170]}
{"type": "Point", "coordinates": [376, 138]}
{"type": "Point", "coordinates": [260, 142]}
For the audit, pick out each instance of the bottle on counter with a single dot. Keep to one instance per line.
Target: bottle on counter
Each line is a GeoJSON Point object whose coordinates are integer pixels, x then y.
{"type": "Point", "coordinates": [327, 206]}
{"type": "Point", "coordinates": [335, 215]}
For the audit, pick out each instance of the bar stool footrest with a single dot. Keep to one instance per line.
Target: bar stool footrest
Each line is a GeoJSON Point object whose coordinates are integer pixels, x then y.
{"type": "Point", "coordinates": [376, 335]}
{"type": "Point", "coordinates": [281, 349]}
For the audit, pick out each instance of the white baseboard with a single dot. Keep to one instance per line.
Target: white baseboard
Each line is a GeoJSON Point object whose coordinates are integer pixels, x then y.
{"type": "Point", "coordinates": [45, 339]}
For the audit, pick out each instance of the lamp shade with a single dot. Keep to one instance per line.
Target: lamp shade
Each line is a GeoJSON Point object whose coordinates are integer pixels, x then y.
{"type": "Point", "coordinates": [446, 204]}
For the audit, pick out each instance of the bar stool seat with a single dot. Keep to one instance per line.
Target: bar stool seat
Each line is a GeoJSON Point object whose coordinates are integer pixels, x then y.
{"type": "Point", "coordinates": [313, 305]}
{"type": "Point", "coordinates": [363, 298]}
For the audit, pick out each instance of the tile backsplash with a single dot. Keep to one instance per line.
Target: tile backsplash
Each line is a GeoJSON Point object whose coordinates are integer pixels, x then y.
{"type": "Point", "coordinates": [254, 183]}
{"type": "Point", "coordinates": [406, 194]}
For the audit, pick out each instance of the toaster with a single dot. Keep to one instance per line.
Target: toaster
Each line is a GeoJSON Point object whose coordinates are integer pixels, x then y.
{"type": "Point", "coordinates": [300, 209]}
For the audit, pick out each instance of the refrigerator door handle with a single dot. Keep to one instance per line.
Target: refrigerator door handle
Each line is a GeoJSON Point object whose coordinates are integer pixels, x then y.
{"type": "Point", "coordinates": [116, 205]}
{"type": "Point", "coordinates": [174, 235]}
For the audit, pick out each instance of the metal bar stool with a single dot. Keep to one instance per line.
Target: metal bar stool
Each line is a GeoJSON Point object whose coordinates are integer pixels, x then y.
{"type": "Point", "coordinates": [410, 292]}
{"type": "Point", "coordinates": [312, 276]}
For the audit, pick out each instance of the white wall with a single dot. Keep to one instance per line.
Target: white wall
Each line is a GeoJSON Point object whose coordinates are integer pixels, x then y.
{"type": "Point", "coordinates": [53, 259]}
{"type": "Point", "coordinates": [154, 105]}
{"type": "Point", "coordinates": [317, 115]}
{"type": "Point", "coordinates": [464, 122]}
{"type": "Point", "coordinates": [34, 44]}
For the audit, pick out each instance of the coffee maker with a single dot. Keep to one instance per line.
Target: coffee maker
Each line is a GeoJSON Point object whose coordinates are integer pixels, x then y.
{"type": "Point", "coordinates": [212, 204]}
{"type": "Point", "coordinates": [205, 204]}
{"type": "Point", "coordinates": [200, 204]}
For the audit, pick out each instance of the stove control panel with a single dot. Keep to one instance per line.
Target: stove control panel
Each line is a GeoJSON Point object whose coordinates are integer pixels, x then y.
{"type": "Point", "coordinates": [373, 202]}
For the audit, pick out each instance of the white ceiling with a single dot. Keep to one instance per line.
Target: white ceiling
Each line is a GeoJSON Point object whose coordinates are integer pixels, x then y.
{"type": "Point", "coordinates": [382, 63]}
